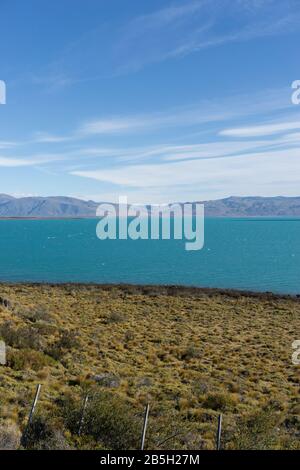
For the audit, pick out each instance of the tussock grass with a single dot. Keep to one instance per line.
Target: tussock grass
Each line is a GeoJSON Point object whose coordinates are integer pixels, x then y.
{"type": "Point", "coordinates": [191, 353]}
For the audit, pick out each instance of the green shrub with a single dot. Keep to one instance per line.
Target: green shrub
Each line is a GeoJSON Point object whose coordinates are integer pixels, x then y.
{"type": "Point", "coordinates": [27, 359]}
{"type": "Point", "coordinates": [25, 337]}
{"type": "Point", "coordinates": [108, 420]}
{"type": "Point", "coordinates": [68, 340]}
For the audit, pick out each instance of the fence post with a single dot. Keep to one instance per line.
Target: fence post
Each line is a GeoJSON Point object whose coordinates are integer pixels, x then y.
{"type": "Point", "coordinates": [37, 393]}
{"type": "Point", "coordinates": [219, 433]}
{"type": "Point", "coordinates": [146, 416]}
{"type": "Point", "coordinates": [33, 406]}
{"type": "Point", "coordinates": [82, 414]}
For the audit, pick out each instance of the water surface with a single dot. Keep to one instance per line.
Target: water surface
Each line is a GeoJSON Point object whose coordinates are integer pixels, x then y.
{"type": "Point", "coordinates": [255, 254]}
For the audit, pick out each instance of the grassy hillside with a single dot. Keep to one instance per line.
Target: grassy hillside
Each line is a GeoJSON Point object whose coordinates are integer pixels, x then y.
{"type": "Point", "coordinates": [190, 353]}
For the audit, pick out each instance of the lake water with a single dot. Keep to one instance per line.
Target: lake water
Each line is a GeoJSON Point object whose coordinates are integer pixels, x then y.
{"type": "Point", "coordinates": [255, 254]}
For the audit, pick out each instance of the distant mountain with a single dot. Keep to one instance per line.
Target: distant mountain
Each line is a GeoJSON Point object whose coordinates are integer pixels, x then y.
{"type": "Point", "coordinates": [45, 207]}
{"type": "Point", "coordinates": [39, 207]}
{"type": "Point", "coordinates": [254, 207]}
{"type": "Point", "coordinates": [5, 198]}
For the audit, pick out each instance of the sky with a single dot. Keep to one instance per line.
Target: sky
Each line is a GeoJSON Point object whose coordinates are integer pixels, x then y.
{"type": "Point", "coordinates": [157, 100]}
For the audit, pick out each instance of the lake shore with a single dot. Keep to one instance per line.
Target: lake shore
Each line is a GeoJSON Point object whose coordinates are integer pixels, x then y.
{"type": "Point", "coordinates": [82, 217]}
{"type": "Point", "coordinates": [163, 289]}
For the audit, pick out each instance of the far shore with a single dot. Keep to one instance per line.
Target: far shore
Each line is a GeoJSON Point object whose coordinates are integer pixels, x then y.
{"type": "Point", "coordinates": [82, 217]}
{"type": "Point", "coordinates": [51, 218]}
{"type": "Point", "coordinates": [163, 289]}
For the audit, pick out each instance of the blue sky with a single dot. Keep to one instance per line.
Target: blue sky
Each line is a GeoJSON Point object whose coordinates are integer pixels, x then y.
{"type": "Point", "coordinates": [157, 100]}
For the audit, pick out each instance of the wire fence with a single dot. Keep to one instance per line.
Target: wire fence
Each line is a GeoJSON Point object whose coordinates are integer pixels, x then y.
{"type": "Point", "coordinates": [144, 426]}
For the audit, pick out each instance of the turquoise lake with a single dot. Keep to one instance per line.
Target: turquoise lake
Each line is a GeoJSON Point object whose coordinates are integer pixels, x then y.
{"type": "Point", "coordinates": [255, 254]}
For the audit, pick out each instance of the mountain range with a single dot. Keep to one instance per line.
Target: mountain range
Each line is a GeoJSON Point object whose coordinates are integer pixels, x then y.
{"type": "Point", "coordinates": [64, 207]}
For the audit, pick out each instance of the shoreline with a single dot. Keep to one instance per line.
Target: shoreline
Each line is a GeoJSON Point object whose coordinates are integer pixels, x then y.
{"type": "Point", "coordinates": [92, 217]}
{"type": "Point", "coordinates": [51, 218]}
{"type": "Point", "coordinates": [161, 289]}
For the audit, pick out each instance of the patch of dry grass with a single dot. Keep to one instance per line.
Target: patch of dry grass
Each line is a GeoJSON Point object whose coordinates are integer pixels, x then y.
{"type": "Point", "coordinates": [191, 353]}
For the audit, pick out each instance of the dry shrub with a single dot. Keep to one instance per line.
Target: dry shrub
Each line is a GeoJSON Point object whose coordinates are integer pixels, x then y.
{"type": "Point", "coordinates": [27, 359]}
{"type": "Point", "coordinates": [43, 434]}
{"type": "Point", "coordinates": [23, 337]}
{"type": "Point", "coordinates": [10, 436]}
{"type": "Point", "coordinates": [219, 402]}
{"type": "Point", "coordinates": [259, 431]}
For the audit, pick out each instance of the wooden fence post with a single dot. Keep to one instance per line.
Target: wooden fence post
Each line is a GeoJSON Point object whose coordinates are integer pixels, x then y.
{"type": "Point", "coordinates": [146, 416]}
{"type": "Point", "coordinates": [37, 394]}
{"type": "Point", "coordinates": [82, 414]}
{"type": "Point", "coordinates": [219, 433]}
{"type": "Point", "coordinates": [32, 410]}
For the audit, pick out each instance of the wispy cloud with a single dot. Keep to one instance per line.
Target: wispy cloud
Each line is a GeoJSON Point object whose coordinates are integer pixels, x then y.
{"type": "Point", "coordinates": [5, 145]}
{"type": "Point", "coordinates": [46, 138]}
{"type": "Point", "coordinates": [157, 35]}
{"type": "Point", "coordinates": [42, 159]}
{"type": "Point", "coordinates": [115, 125]}
{"type": "Point", "coordinates": [263, 28]}
{"type": "Point", "coordinates": [214, 162]}
{"type": "Point", "coordinates": [51, 80]}
{"type": "Point", "coordinates": [204, 118]}
{"type": "Point", "coordinates": [172, 32]}
{"type": "Point", "coordinates": [177, 31]}
{"type": "Point", "coordinates": [209, 111]}
{"type": "Point", "coordinates": [173, 153]}
{"type": "Point", "coordinates": [273, 173]}
{"type": "Point", "coordinates": [251, 165]}
{"type": "Point", "coordinates": [15, 162]}
{"type": "Point", "coordinates": [263, 130]}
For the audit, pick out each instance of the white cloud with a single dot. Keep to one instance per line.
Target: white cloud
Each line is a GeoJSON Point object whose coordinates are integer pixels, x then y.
{"type": "Point", "coordinates": [264, 130]}
{"type": "Point", "coordinates": [44, 137]}
{"type": "Point", "coordinates": [205, 112]}
{"type": "Point", "coordinates": [113, 126]}
{"type": "Point", "coordinates": [212, 149]}
{"type": "Point", "coordinates": [5, 145]}
{"type": "Point", "coordinates": [15, 162]}
{"type": "Point", "coordinates": [265, 173]}
{"type": "Point", "coordinates": [183, 170]}
{"type": "Point", "coordinates": [41, 159]}
{"type": "Point", "coordinates": [169, 152]}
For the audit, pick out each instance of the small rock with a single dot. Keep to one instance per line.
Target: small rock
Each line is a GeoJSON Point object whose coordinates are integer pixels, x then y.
{"type": "Point", "coordinates": [5, 302]}
{"type": "Point", "coordinates": [107, 380]}
{"type": "Point", "coordinates": [144, 382]}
